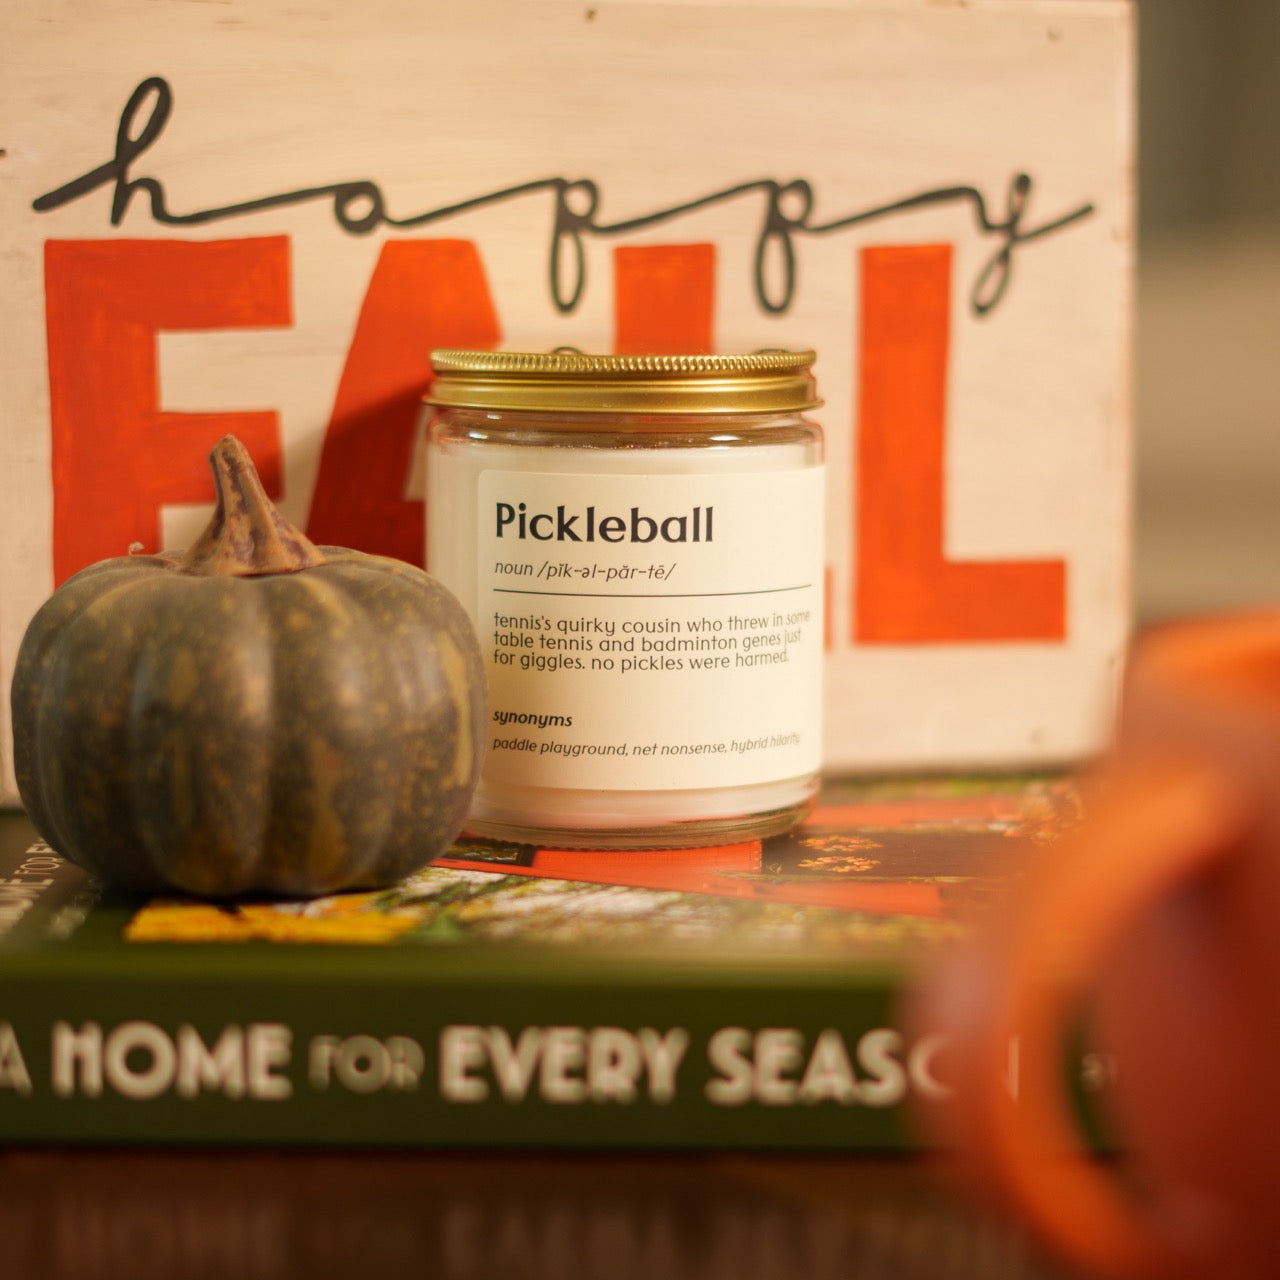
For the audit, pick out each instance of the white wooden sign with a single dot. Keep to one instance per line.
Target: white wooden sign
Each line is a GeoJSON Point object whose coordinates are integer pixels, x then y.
{"type": "Point", "coordinates": [250, 216]}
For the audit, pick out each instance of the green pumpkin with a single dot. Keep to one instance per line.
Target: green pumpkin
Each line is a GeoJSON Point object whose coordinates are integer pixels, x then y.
{"type": "Point", "coordinates": [257, 716]}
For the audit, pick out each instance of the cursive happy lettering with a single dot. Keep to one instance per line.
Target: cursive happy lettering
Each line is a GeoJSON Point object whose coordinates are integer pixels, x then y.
{"type": "Point", "coordinates": [360, 207]}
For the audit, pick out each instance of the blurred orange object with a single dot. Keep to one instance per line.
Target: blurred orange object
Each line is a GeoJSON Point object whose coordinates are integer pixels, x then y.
{"type": "Point", "coordinates": [1158, 919]}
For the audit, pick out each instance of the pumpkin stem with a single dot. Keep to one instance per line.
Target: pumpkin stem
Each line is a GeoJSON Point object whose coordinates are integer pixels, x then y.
{"type": "Point", "coordinates": [247, 536]}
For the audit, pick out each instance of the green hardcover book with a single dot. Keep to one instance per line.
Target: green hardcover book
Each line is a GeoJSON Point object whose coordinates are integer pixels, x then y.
{"type": "Point", "coordinates": [744, 996]}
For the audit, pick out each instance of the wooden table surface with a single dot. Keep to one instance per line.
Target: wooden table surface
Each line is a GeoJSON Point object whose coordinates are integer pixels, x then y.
{"type": "Point", "coordinates": [270, 1215]}
{"type": "Point", "coordinates": [252, 1214]}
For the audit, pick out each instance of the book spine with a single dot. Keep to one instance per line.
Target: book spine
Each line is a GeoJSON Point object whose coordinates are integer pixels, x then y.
{"type": "Point", "coordinates": [128, 1058]}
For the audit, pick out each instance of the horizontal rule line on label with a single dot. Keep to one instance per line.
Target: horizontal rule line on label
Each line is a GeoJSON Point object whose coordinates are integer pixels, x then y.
{"type": "Point", "coordinates": [648, 595]}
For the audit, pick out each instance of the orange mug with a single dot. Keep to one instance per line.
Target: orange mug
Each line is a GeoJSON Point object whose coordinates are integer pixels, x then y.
{"type": "Point", "coordinates": [1159, 918]}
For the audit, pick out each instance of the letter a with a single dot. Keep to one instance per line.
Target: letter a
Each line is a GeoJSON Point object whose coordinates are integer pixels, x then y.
{"type": "Point", "coordinates": [13, 1068]}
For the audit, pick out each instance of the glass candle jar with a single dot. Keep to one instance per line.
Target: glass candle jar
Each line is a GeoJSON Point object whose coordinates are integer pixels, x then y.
{"type": "Point", "coordinates": [639, 540]}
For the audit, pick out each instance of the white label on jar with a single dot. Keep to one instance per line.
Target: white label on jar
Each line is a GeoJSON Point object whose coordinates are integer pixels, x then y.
{"type": "Point", "coordinates": [651, 632]}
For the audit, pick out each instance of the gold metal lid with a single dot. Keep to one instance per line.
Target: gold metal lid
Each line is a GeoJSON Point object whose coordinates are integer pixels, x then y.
{"type": "Point", "coordinates": [567, 381]}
